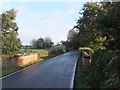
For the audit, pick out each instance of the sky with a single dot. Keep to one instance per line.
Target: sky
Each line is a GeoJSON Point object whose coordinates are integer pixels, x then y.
{"type": "Point", "coordinates": [44, 19]}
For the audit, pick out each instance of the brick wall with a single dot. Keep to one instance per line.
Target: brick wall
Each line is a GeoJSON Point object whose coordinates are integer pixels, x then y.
{"type": "Point", "coordinates": [26, 59]}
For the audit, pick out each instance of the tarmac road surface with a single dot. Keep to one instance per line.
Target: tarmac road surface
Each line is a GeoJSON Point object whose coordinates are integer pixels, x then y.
{"type": "Point", "coordinates": [57, 72]}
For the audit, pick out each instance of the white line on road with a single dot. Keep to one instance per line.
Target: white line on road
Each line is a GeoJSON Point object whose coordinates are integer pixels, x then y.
{"type": "Point", "coordinates": [73, 76]}
{"type": "Point", "coordinates": [19, 70]}
{"type": "Point", "coordinates": [26, 68]}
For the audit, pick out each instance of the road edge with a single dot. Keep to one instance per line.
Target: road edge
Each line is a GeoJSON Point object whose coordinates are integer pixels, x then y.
{"type": "Point", "coordinates": [26, 68]}
{"type": "Point", "coordinates": [73, 76]}
{"type": "Point", "coordinates": [19, 70]}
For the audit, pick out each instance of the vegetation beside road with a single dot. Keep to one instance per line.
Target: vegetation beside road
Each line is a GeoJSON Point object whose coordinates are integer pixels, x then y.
{"type": "Point", "coordinates": [98, 29]}
{"type": "Point", "coordinates": [103, 73]}
{"type": "Point", "coordinates": [43, 54]}
{"type": "Point", "coordinates": [81, 81]}
{"type": "Point", "coordinates": [13, 68]}
{"type": "Point", "coordinates": [12, 46]}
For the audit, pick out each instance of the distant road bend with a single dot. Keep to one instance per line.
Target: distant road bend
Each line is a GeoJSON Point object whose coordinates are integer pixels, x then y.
{"type": "Point", "coordinates": [57, 72]}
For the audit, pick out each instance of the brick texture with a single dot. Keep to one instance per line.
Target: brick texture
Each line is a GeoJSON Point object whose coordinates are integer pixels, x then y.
{"type": "Point", "coordinates": [26, 59]}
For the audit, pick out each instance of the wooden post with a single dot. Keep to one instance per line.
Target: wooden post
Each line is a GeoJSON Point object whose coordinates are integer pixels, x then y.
{"type": "Point", "coordinates": [86, 61]}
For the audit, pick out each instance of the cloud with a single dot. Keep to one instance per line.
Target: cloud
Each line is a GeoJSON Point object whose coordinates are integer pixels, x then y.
{"type": "Point", "coordinates": [35, 25]}
{"type": "Point", "coordinates": [55, 23]}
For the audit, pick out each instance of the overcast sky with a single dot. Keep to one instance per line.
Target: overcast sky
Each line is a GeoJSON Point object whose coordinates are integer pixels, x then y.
{"type": "Point", "coordinates": [43, 19]}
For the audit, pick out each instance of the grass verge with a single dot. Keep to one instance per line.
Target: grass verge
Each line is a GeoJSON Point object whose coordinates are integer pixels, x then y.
{"type": "Point", "coordinates": [81, 76]}
{"type": "Point", "coordinates": [11, 69]}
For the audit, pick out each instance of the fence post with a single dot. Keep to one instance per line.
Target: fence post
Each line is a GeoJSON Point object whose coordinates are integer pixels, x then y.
{"type": "Point", "coordinates": [86, 61]}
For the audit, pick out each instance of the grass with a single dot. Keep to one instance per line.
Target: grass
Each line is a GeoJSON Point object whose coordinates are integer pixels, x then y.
{"type": "Point", "coordinates": [6, 70]}
{"type": "Point", "coordinates": [41, 55]}
{"type": "Point", "coordinates": [81, 76]}
{"type": "Point", "coordinates": [13, 68]}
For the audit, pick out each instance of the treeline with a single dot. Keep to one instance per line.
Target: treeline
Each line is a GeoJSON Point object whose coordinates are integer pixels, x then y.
{"type": "Point", "coordinates": [72, 42]}
{"type": "Point", "coordinates": [42, 43]}
{"type": "Point", "coordinates": [99, 27]}
{"type": "Point", "coordinates": [11, 44]}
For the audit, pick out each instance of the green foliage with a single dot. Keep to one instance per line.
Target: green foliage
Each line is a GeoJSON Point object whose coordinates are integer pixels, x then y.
{"type": "Point", "coordinates": [42, 43]}
{"type": "Point", "coordinates": [99, 29]}
{"type": "Point", "coordinates": [87, 26]}
{"type": "Point", "coordinates": [11, 43]}
{"type": "Point", "coordinates": [6, 70]}
{"type": "Point", "coordinates": [104, 72]}
{"type": "Point", "coordinates": [110, 22]}
{"type": "Point", "coordinates": [24, 50]}
{"type": "Point", "coordinates": [72, 40]}
{"type": "Point", "coordinates": [67, 45]}
{"type": "Point", "coordinates": [41, 52]}
{"type": "Point", "coordinates": [48, 42]}
{"type": "Point", "coordinates": [38, 44]}
{"type": "Point", "coordinates": [81, 77]}
{"type": "Point", "coordinates": [56, 50]}
{"type": "Point", "coordinates": [99, 26]}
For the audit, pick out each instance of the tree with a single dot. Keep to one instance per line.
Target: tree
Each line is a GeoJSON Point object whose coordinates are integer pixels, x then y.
{"type": "Point", "coordinates": [33, 43]}
{"type": "Point", "coordinates": [110, 22]}
{"type": "Point", "coordinates": [72, 39]}
{"type": "Point", "coordinates": [62, 42]}
{"type": "Point", "coordinates": [48, 42]}
{"type": "Point", "coordinates": [99, 28]}
{"type": "Point", "coordinates": [88, 25]}
{"type": "Point", "coordinates": [99, 25]}
{"type": "Point", "coordinates": [11, 43]}
{"type": "Point", "coordinates": [41, 43]}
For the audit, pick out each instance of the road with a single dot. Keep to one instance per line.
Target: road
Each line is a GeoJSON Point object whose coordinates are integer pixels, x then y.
{"type": "Point", "coordinates": [57, 72]}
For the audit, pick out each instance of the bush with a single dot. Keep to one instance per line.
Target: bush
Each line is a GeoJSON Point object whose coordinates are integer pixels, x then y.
{"type": "Point", "coordinates": [56, 51]}
{"type": "Point", "coordinates": [22, 51]}
{"type": "Point", "coordinates": [104, 71]}
{"type": "Point", "coordinates": [41, 52]}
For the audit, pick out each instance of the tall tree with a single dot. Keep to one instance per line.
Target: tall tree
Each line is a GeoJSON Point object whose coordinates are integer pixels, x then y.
{"type": "Point", "coordinates": [99, 25]}
{"type": "Point", "coordinates": [11, 43]}
{"type": "Point", "coordinates": [33, 43]}
{"type": "Point", "coordinates": [99, 28]}
{"type": "Point", "coordinates": [110, 24]}
{"type": "Point", "coordinates": [87, 25]}
{"type": "Point", "coordinates": [72, 39]}
{"type": "Point", "coordinates": [48, 42]}
{"type": "Point", "coordinates": [40, 43]}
